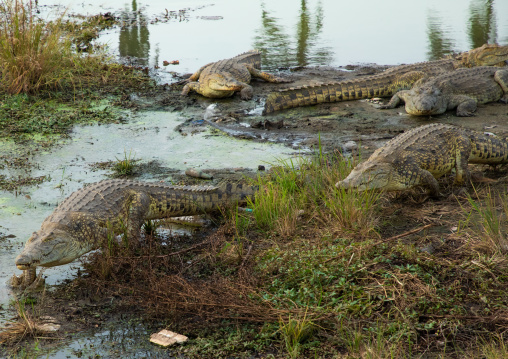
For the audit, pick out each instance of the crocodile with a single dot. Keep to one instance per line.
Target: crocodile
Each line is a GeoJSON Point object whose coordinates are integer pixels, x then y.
{"type": "Point", "coordinates": [89, 215]}
{"type": "Point", "coordinates": [462, 89]}
{"type": "Point", "coordinates": [223, 78]}
{"type": "Point", "coordinates": [418, 156]}
{"type": "Point", "coordinates": [384, 84]}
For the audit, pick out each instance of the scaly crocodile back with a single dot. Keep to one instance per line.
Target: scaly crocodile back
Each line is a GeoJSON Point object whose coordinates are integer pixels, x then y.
{"type": "Point", "coordinates": [106, 199]}
{"type": "Point", "coordinates": [252, 57]}
{"type": "Point", "coordinates": [384, 84]}
{"type": "Point", "coordinates": [438, 139]}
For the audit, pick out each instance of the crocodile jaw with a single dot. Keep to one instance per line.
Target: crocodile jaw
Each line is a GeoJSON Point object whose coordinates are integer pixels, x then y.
{"type": "Point", "coordinates": [369, 175]}
{"type": "Point", "coordinates": [48, 248]}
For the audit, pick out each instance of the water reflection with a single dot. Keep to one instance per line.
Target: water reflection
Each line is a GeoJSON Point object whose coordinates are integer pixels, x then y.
{"type": "Point", "coordinates": [482, 23]}
{"type": "Point", "coordinates": [134, 35]}
{"type": "Point", "coordinates": [276, 45]}
{"type": "Point", "coordinates": [481, 29]}
{"type": "Point", "coordinates": [439, 44]}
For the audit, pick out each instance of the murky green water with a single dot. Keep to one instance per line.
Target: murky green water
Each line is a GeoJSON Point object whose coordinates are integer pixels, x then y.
{"type": "Point", "coordinates": [288, 32]}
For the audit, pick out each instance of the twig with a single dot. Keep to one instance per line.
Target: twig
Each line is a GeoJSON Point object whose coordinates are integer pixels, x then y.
{"type": "Point", "coordinates": [246, 256]}
{"type": "Point", "coordinates": [416, 230]}
{"type": "Point", "coordinates": [467, 317]}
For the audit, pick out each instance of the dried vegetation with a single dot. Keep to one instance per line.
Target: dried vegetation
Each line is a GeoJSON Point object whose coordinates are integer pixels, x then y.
{"type": "Point", "coordinates": [307, 277]}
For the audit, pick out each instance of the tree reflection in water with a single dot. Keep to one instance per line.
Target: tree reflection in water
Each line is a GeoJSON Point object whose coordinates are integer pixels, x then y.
{"type": "Point", "coordinates": [280, 50]}
{"type": "Point", "coordinates": [134, 35]}
{"type": "Point", "coordinates": [482, 27]}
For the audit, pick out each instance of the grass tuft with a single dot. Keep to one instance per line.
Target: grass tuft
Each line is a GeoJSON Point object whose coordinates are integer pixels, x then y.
{"type": "Point", "coordinates": [295, 332]}
{"type": "Point", "coordinates": [125, 166]}
{"type": "Point", "coordinates": [33, 54]}
{"type": "Point", "coordinates": [492, 212]}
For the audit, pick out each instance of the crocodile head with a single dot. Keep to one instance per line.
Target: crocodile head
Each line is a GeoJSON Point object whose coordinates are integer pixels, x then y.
{"type": "Point", "coordinates": [425, 100]}
{"type": "Point", "coordinates": [486, 55]}
{"type": "Point", "coordinates": [50, 246]}
{"type": "Point", "coordinates": [219, 86]}
{"type": "Point", "coordinates": [372, 175]}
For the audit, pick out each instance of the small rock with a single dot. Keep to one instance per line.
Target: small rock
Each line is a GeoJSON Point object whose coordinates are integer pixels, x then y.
{"type": "Point", "coordinates": [261, 168]}
{"type": "Point", "coordinates": [350, 146]}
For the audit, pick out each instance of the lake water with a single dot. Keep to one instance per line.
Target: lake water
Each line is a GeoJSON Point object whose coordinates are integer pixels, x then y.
{"type": "Point", "coordinates": [297, 33]}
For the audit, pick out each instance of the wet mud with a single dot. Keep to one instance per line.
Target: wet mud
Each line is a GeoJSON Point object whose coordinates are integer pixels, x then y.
{"type": "Point", "coordinates": [344, 126]}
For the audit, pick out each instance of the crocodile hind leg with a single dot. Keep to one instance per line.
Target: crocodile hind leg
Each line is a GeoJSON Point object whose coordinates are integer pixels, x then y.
{"type": "Point", "coordinates": [264, 75]}
{"type": "Point", "coordinates": [137, 211]}
{"type": "Point", "coordinates": [501, 77]}
{"type": "Point", "coordinates": [462, 151]}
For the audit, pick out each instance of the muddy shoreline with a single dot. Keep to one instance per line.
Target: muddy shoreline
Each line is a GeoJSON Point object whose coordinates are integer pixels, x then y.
{"type": "Point", "coordinates": [333, 125]}
{"type": "Point", "coordinates": [342, 126]}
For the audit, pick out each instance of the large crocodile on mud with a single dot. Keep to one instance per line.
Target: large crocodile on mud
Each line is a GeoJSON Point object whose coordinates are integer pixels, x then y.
{"type": "Point", "coordinates": [385, 84]}
{"type": "Point", "coordinates": [223, 78]}
{"type": "Point", "coordinates": [462, 89]}
{"type": "Point", "coordinates": [88, 215]}
{"type": "Point", "coordinates": [419, 156]}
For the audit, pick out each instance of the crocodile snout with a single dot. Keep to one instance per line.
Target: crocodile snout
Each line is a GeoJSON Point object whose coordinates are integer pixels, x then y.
{"type": "Point", "coordinates": [24, 262]}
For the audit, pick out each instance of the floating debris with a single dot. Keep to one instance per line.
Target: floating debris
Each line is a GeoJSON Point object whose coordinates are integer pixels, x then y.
{"type": "Point", "coordinates": [167, 338]}
{"type": "Point", "coordinates": [192, 172]}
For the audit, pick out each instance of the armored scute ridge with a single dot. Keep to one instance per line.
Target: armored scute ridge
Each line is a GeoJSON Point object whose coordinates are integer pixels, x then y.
{"type": "Point", "coordinates": [223, 78]}
{"type": "Point", "coordinates": [419, 156]}
{"type": "Point", "coordinates": [462, 89]}
{"type": "Point", "coordinates": [385, 84]}
{"type": "Point", "coordinates": [83, 219]}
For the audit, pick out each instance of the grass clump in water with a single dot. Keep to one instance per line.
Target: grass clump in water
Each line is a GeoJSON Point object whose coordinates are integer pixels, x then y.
{"type": "Point", "coordinates": [124, 167]}
{"type": "Point", "coordinates": [46, 85]}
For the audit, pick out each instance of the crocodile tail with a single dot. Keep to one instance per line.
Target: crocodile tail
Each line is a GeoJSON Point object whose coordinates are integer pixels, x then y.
{"type": "Point", "coordinates": [237, 191]}
{"type": "Point", "coordinates": [488, 149]}
{"type": "Point", "coordinates": [328, 92]}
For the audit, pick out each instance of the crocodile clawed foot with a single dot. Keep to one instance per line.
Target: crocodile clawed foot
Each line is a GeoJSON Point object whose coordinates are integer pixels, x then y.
{"type": "Point", "coordinates": [27, 283]}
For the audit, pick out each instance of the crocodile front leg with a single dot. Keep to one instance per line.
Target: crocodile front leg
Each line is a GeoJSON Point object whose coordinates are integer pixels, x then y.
{"type": "Point", "coordinates": [395, 101]}
{"type": "Point", "coordinates": [408, 173]}
{"type": "Point", "coordinates": [194, 86]}
{"type": "Point", "coordinates": [28, 280]}
{"type": "Point", "coordinates": [466, 106]}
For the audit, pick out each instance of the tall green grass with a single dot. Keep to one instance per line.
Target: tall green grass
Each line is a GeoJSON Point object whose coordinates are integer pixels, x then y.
{"type": "Point", "coordinates": [32, 52]}
{"type": "Point", "coordinates": [303, 189]}
{"type": "Point", "coordinates": [491, 212]}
